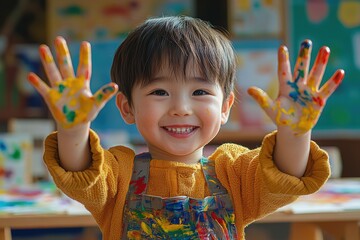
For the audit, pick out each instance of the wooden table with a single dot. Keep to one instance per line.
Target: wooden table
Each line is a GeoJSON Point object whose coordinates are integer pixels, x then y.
{"type": "Point", "coordinates": [310, 226]}
{"type": "Point", "coordinates": [342, 225]}
{"type": "Point", "coordinates": [31, 221]}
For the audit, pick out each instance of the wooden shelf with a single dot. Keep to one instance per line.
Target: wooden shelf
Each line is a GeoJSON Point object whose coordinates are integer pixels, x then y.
{"type": "Point", "coordinates": [239, 136]}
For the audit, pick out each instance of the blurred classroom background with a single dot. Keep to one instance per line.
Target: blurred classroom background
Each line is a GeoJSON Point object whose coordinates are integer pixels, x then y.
{"type": "Point", "coordinates": [256, 27]}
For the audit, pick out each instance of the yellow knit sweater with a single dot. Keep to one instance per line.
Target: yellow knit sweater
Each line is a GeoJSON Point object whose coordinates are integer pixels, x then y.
{"type": "Point", "coordinates": [257, 187]}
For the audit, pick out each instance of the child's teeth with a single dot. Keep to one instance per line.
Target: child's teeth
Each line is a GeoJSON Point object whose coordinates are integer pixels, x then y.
{"type": "Point", "coordinates": [180, 130]}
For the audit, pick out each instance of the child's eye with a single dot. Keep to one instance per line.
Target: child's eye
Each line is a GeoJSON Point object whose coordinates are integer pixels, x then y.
{"type": "Point", "coordinates": [200, 92]}
{"type": "Point", "coordinates": [159, 92]}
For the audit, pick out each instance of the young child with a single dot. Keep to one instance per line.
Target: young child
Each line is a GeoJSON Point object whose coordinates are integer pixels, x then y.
{"type": "Point", "coordinates": [175, 77]}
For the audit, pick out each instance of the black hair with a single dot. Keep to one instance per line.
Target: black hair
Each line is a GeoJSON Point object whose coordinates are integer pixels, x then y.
{"type": "Point", "coordinates": [177, 40]}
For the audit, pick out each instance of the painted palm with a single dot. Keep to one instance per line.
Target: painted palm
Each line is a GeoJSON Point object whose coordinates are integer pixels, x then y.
{"type": "Point", "coordinates": [69, 97]}
{"type": "Point", "coordinates": [300, 101]}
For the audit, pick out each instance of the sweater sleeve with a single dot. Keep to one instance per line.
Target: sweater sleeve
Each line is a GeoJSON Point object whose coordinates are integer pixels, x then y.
{"type": "Point", "coordinates": [257, 186]}
{"type": "Point", "coordinates": [95, 187]}
{"type": "Point", "coordinates": [316, 174]}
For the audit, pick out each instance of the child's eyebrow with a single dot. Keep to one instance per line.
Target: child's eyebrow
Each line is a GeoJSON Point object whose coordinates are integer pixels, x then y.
{"type": "Point", "coordinates": [202, 80]}
{"type": "Point", "coordinates": [157, 79]}
{"type": "Point", "coordinates": [164, 78]}
{"type": "Point", "coordinates": [153, 80]}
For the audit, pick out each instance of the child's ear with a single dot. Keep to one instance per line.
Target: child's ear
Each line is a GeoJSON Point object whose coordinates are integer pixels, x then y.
{"type": "Point", "coordinates": [125, 109]}
{"type": "Point", "coordinates": [225, 111]}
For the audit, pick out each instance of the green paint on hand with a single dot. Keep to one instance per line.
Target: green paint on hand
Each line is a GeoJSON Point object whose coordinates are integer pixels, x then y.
{"type": "Point", "coordinates": [65, 109]}
{"type": "Point", "coordinates": [61, 88]}
{"type": "Point", "coordinates": [301, 73]}
{"type": "Point", "coordinates": [69, 114]}
{"type": "Point", "coordinates": [99, 97]}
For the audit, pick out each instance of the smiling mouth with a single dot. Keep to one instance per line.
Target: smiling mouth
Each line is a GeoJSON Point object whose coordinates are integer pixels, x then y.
{"type": "Point", "coordinates": [180, 130]}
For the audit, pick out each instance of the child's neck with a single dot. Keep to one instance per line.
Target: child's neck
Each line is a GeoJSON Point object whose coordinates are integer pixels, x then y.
{"type": "Point", "coordinates": [191, 158]}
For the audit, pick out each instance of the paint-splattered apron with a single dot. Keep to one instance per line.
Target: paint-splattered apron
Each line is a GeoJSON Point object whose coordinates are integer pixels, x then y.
{"type": "Point", "coordinates": [181, 217]}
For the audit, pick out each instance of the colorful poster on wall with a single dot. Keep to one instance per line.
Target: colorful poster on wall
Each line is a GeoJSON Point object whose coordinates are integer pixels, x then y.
{"type": "Point", "coordinates": [252, 18]}
{"type": "Point", "coordinates": [15, 160]}
{"type": "Point", "coordinates": [257, 66]}
{"type": "Point", "coordinates": [335, 24]}
{"type": "Point", "coordinates": [106, 19]}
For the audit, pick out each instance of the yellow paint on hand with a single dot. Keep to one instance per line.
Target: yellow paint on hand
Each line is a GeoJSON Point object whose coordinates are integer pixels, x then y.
{"type": "Point", "coordinates": [311, 84]}
{"type": "Point", "coordinates": [84, 56]}
{"type": "Point", "coordinates": [73, 102]}
{"type": "Point", "coordinates": [48, 58]}
{"type": "Point", "coordinates": [54, 95]}
{"type": "Point", "coordinates": [74, 85]}
{"type": "Point", "coordinates": [260, 97]}
{"type": "Point", "coordinates": [308, 119]}
{"type": "Point", "coordinates": [61, 49]}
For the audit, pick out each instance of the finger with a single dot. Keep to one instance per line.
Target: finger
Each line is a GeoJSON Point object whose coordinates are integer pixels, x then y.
{"type": "Point", "coordinates": [38, 84]}
{"type": "Point", "coordinates": [51, 70]}
{"type": "Point", "coordinates": [265, 102]}
{"type": "Point", "coordinates": [84, 67]}
{"type": "Point", "coordinates": [44, 91]}
{"type": "Point", "coordinates": [63, 58]}
{"type": "Point", "coordinates": [302, 62]}
{"type": "Point", "coordinates": [317, 71]}
{"type": "Point", "coordinates": [105, 93]}
{"type": "Point", "coordinates": [284, 69]}
{"type": "Point", "coordinates": [261, 97]}
{"type": "Point", "coordinates": [331, 85]}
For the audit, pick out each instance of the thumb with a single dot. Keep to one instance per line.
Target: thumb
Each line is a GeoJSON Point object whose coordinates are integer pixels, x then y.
{"type": "Point", "coordinates": [105, 93]}
{"type": "Point", "coordinates": [38, 84]}
{"type": "Point", "coordinates": [261, 97]}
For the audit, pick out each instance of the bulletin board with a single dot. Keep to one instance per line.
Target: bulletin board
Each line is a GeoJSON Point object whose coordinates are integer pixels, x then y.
{"type": "Point", "coordinates": [335, 24]}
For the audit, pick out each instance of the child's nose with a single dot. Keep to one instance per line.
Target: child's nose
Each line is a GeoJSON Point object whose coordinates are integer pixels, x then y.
{"type": "Point", "coordinates": [181, 106]}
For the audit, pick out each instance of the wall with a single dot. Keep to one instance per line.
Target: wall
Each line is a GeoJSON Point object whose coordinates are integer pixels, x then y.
{"type": "Point", "coordinates": [28, 26]}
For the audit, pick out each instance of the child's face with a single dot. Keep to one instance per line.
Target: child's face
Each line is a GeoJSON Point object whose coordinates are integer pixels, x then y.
{"type": "Point", "coordinates": [177, 117]}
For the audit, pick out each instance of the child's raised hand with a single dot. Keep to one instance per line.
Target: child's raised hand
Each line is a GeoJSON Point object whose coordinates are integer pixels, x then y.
{"type": "Point", "coordinates": [69, 97]}
{"type": "Point", "coordinates": [300, 101]}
